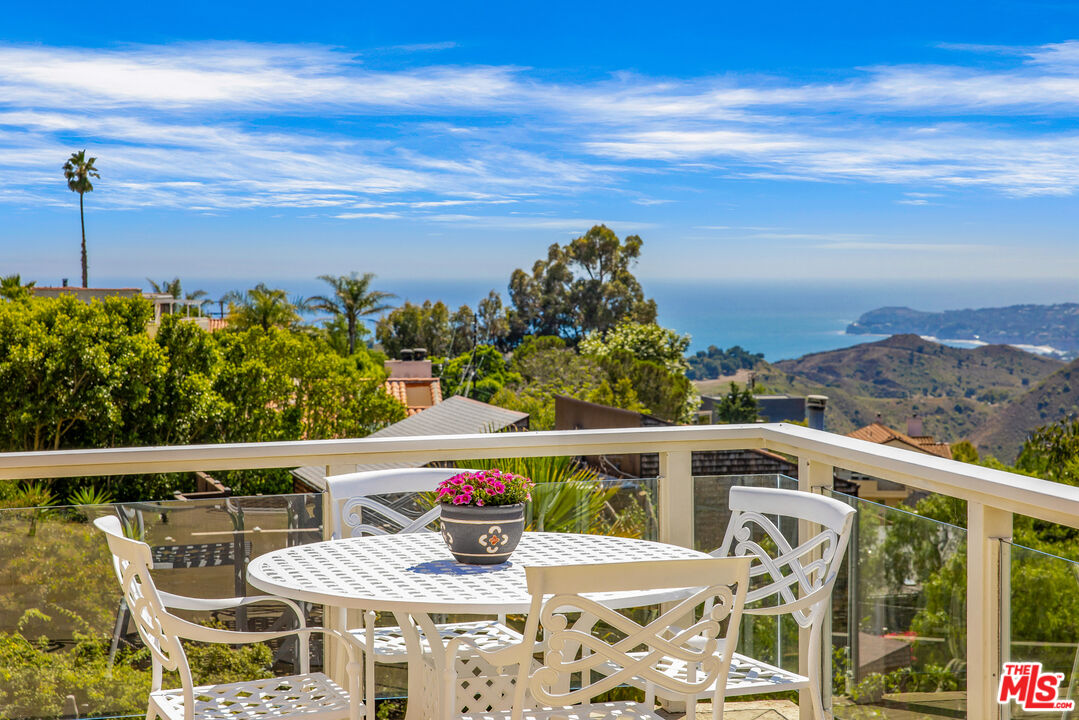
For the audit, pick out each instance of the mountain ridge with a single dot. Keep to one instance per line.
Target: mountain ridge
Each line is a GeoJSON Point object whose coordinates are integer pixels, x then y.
{"type": "Point", "coordinates": [1052, 326]}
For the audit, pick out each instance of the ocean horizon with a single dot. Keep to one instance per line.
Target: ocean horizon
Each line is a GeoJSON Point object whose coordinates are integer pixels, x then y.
{"type": "Point", "coordinates": [781, 318]}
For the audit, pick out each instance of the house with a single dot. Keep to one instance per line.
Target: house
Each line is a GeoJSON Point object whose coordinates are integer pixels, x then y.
{"type": "Point", "coordinates": [887, 492]}
{"type": "Point", "coordinates": [412, 384]}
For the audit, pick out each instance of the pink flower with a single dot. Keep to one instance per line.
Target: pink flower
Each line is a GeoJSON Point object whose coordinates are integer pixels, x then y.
{"type": "Point", "coordinates": [457, 480]}
{"type": "Point", "coordinates": [480, 503]}
{"type": "Point", "coordinates": [461, 500]}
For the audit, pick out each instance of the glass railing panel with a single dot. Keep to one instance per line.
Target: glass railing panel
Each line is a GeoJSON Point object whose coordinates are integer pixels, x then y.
{"type": "Point", "coordinates": [1041, 622]}
{"type": "Point", "coordinates": [898, 623]}
{"type": "Point", "coordinates": [66, 643]}
{"type": "Point", "coordinates": [767, 638]}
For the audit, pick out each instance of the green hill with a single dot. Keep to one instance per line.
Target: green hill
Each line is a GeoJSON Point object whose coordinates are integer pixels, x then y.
{"type": "Point", "coordinates": [1054, 398]}
{"type": "Point", "coordinates": [954, 390]}
{"type": "Point", "coordinates": [1055, 326]}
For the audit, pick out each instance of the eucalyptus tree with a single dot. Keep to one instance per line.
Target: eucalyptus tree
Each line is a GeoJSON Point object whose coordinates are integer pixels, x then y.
{"type": "Point", "coordinates": [77, 171]}
{"type": "Point", "coordinates": [352, 299]}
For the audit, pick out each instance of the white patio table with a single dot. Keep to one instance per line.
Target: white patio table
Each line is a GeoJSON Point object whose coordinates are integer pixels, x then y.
{"type": "Point", "coordinates": [413, 575]}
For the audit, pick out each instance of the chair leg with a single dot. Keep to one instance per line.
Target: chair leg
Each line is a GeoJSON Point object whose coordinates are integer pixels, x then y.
{"type": "Point", "coordinates": [370, 690]}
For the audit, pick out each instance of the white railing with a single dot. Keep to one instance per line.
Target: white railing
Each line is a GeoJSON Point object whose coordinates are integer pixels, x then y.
{"type": "Point", "coordinates": [992, 496]}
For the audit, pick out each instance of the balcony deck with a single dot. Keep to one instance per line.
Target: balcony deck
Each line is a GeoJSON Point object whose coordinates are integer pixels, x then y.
{"type": "Point", "coordinates": [978, 634]}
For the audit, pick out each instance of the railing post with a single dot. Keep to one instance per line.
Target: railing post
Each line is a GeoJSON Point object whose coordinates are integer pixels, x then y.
{"type": "Point", "coordinates": [813, 476]}
{"type": "Point", "coordinates": [986, 526]}
{"type": "Point", "coordinates": [676, 518]}
{"type": "Point", "coordinates": [676, 498]}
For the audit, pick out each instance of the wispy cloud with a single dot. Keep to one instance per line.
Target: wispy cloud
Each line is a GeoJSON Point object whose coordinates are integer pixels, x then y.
{"type": "Point", "coordinates": [235, 125]}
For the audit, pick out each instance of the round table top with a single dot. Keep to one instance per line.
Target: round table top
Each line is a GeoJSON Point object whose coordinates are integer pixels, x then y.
{"type": "Point", "coordinates": [415, 572]}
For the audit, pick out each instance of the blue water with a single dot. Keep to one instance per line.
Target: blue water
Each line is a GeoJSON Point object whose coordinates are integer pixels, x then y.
{"type": "Point", "coordinates": [778, 317]}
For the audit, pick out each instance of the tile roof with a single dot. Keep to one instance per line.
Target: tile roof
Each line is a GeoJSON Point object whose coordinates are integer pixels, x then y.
{"type": "Point", "coordinates": [398, 389]}
{"type": "Point", "coordinates": [877, 433]}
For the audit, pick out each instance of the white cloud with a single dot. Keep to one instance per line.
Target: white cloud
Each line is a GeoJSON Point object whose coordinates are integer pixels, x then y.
{"type": "Point", "coordinates": [239, 125]}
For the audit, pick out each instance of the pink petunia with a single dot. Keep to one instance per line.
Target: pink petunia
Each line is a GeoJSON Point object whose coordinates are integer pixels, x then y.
{"type": "Point", "coordinates": [461, 500]}
{"type": "Point", "coordinates": [480, 503]}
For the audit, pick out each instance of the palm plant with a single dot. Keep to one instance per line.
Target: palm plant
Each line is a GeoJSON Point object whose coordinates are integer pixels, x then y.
{"type": "Point", "coordinates": [352, 299]}
{"type": "Point", "coordinates": [11, 287]}
{"type": "Point", "coordinates": [78, 170]}
{"type": "Point", "coordinates": [263, 307]}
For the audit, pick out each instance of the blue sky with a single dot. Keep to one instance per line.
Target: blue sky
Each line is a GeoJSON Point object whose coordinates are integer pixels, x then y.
{"type": "Point", "coordinates": [248, 141]}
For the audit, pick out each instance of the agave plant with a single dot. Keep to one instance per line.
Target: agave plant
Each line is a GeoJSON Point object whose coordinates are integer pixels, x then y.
{"type": "Point", "coordinates": [90, 495]}
{"type": "Point", "coordinates": [36, 497]}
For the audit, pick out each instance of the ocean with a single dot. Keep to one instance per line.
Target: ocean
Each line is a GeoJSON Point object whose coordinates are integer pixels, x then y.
{"type": "Point", "coordinates": [779, 317]}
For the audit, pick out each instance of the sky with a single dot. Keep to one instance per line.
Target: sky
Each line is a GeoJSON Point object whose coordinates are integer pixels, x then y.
{"type": "Point", "coordinates": [271, 141]}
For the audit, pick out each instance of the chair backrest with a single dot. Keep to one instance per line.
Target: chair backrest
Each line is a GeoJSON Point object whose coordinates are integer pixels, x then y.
{"type": "Point", "coordinates": [796, 580]}
{"type": "Point", "coordinates": [583, 634]}
{"type": "Point", "coordinates": [132, 560]}
{"type": "Point", "coordinates": [357, 508]}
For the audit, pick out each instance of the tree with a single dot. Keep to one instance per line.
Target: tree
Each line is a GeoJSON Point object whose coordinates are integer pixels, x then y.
{"type": "Point", "coordinates": [11, 288]}
{"type": "Point", "coordinates": [262, 307]}
{"type": "Point", "coordinates": [281, 385]}
{"type": "Point", "coordinates": [78, 170]}
{"type": "Point", "coordinates": [1052, 452]}
{"type": "Point", "coordinates": [647, 341]}
{"type": "Point", "coordinates": [416, 326]}
{"type": "Point", "coordinates": [478, 374]}
{"type": "Point", "coordinates": [713, 363]}
{"type": "Point", "coordinates": [493, 326]}
{"type": "Point", "coordinates": [72, 373]}
{"type": "Point", "coordinates": [737, 406]}
{"type": "Point", "coordinates": [352, 299]}
{"type": "Point", "coordinates": [581, 287]}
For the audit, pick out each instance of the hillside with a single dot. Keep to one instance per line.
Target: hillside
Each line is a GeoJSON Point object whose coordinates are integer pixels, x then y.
{"type": "Point", "coordinates": [1055, 326]}
{"type": "Point", "coordinates": [1053, 399]}
{"type": "Point", "coordinates": [954, 390]}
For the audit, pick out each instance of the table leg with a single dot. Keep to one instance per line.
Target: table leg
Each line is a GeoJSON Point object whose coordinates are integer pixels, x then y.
{"type": "Point", "coordinates": [424, 697]}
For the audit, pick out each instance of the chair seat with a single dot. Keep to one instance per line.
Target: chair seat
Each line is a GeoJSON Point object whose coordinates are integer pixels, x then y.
{"type": "Point", "coordinates": [592, 711]}
{"type": "Point", "coordinates": [487, 634]}
{"type": "Point", "coordinates": [311, 697]}
{"type": "Point", "coordinates": [747, 676]}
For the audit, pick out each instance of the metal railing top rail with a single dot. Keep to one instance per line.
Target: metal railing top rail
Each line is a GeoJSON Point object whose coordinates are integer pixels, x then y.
{"type": "Point", "coordinates": [1019, 494]}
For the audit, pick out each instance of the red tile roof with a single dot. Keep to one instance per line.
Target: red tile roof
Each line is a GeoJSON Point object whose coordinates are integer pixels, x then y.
{"type": "Point", "coordinates": [398, 389]}
{"type": "Point", "coordinates": [882, 434]}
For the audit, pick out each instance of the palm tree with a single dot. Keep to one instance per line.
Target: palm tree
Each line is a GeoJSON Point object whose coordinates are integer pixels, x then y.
{"type": "Point", "coordinates": [78, 170]}
{"type": "Point", "coordinates": [352, 299]}
{"type": "Point", "coordinates": [262, 306]}
{"type": "Point", "coordinates": [11, 287]}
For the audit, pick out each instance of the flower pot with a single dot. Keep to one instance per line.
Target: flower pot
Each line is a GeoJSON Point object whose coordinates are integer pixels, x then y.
{"type": "Point", "coordinates": [482, 535]}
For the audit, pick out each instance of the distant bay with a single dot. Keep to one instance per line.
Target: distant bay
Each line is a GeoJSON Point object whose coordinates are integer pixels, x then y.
{"type": "Point", "coordinates": [780, 317]}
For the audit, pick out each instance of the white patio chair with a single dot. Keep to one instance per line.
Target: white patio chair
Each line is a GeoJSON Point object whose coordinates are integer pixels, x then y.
{"type": "Point", "coordinates": [787, 580]}
{"type": "Point", "coordinates": [583, 635]}
{"type": "Point", "coordinates": [306, 696]}
{"type": "Point", "coordinates": [359, 506]}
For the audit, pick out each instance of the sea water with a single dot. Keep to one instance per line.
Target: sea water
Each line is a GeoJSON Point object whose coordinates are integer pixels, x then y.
{"type": "Point", "coordinates": [780, 317]}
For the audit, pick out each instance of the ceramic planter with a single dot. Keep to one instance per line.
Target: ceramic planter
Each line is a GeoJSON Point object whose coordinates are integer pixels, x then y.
{"type": "Point", "coordinates": [482, 535]}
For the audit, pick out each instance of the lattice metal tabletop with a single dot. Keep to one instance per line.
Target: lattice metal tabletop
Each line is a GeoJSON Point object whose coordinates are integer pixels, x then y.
{"type": "Point", "coordinates": [416, 573]}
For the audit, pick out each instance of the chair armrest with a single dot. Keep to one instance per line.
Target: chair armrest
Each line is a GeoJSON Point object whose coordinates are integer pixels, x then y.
{"type": "Point", "coordinates": [182, 602]}
{"type": "Point", "coordinates": [200, 633]}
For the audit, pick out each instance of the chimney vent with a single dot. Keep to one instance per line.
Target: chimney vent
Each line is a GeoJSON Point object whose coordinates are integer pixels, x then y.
{"type": "Point", "coordinates": [419, 353]}
{"type": "Point", "coordinates": [815, 405]}
{"type": "Point", "coordinates": [914, 427]}
{"type": "Point", "coordinates": [64, 281]}
{"type": "Point", "coordinates": [406, 354]}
